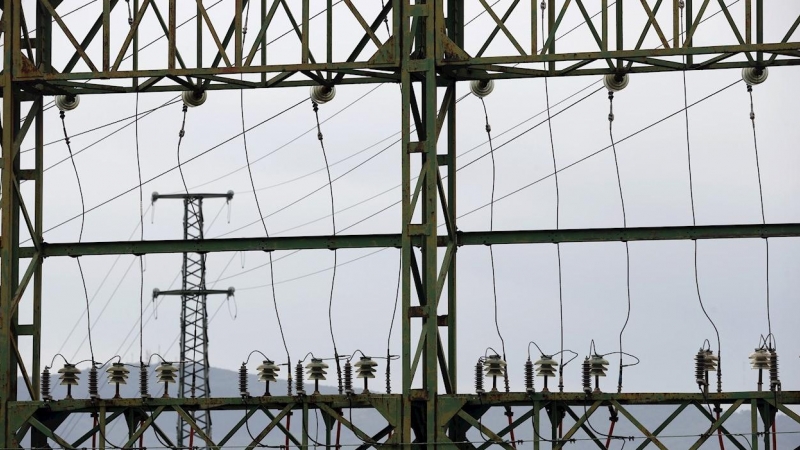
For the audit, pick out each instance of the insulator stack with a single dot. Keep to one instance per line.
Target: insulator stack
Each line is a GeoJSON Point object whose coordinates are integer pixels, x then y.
{"type": "Point", "coordinates": [586, 377]}
{"type": "Point", "coordinates": [268, 372]}
{"type": "Point", "coordinates": [144, 385]}
{"type": "Point", "coordinates": [479, 377]}
{"type": "Point", "coordinates": [117, 374]}
{"type": "Point", "coordinates": [546, 367]}
{"type": "Point", "coordinates": [69, 377]}
{"type": "Point", "coordinates": [759, 360]}
{"type": "Point", "coordinates": [774, 381]}
{"type": "Point", "coordinates": [316, 371]}
{"type": "Point", "coordinates": [388, 374]}
{"type": "Point", "coordinates": [700, 368]}
{"type": "Point", "coordinates": [711, 361]}
{"type": "Point", "coordinates": [45, 384]}
{"type": "Point", "coordinates": [598, 366]}
{"type": "Point", "coordinates": [93, 389]}
{"type": "Point", "coordinates": [494, 367]}
{"type": "Point", "coordinates": [348, 378]}
{"type": "Point", "coordinates": [243, 381]}
{"type": "Point", "coordinates": [366, 370]}
{"type": "Point", "coordinates": [529, 376]}
{"type": "Point", "coordinates": [165, 373]}
{"type": "Point", "coordinates": [298, 379]}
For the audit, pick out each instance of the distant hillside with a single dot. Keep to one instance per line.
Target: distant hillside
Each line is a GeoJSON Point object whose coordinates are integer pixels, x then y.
{"type": "Point", "coordinates": [225, 384]}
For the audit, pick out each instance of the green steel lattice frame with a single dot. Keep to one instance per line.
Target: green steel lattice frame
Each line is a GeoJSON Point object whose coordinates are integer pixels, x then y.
{"type": "Point", "coordinates": [426, 55]}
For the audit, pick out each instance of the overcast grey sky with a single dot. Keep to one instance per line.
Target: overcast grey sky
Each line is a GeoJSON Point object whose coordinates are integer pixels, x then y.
{"type": "Point", "coordinates": [666, 325]}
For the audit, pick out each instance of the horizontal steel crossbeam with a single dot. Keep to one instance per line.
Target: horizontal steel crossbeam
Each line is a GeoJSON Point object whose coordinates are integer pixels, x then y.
{"type": "Point", "coordinates": [394, 240]}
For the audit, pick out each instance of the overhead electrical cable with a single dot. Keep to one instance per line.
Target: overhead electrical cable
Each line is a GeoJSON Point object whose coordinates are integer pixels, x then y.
{"type": "Point", "coordinates": [488, 128]}
{"type": "Point", "coordinates": [165, 172]}
{"type": "Point", "coordinates": [558, 213]}
{"type": "Point", "coordinates": [266, 233]}
{"type": "Point", "coordinates": [624, 225]}
{"type": "Point", "coordinates": [321, 140]}
{"type": "Point", "coordinates": [761, 199]}
{"type": "Point", "coordinates": [80, 234]}
{"type": "Point", "coordinates": [694, 215]}
{"type": "Point", "coordinates": [293, 140]}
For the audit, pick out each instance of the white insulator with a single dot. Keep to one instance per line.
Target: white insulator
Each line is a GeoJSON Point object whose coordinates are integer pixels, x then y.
{"type": "Point", "coordinates": [194, 98]}
{"type": "Point", "coordinates": [759, 359]}
{"type": "Point", "coordinates": [322, 94]}
{"type": "Point", "coordinates": [546, 366]}
{"type": "Point", "coordinates": [753, 75]}
{"type": "Point", "coordinates": [615, 82]}
{"type": "Point", "coordinates": [481, 88]}
{"type": "Point", "coordinates": [598, 366]}
{"type": "Point", "coordinates": [67, 102]}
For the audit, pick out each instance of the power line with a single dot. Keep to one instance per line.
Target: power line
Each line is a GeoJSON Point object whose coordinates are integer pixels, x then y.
{"type": "Point", "coordinates": [315, 107]}
{"type": "Point", "coordinates": [625, 225]}
{"type": "Point", "coordinates": [127, 191]}
{"type": "Point", "coordinates": [761, 199]}
{"type": "Point", "coordinates": [80, 233]}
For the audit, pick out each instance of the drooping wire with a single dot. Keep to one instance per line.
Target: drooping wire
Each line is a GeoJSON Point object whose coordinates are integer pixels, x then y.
{"type": "Point", "coordinates": [266, 233]}
{"type": "Point", "coordinates": [761, 198]}
{"type": "Point", "coordinates": [694, 217]}
{"type": "Point", "coordinates": [315, 107]}
{"type": "Point", "coordinates": [488, 128]}
{"type": "Point", "coordinates": [141, 226]}
{"type": "Point", "coordinates": [391, 327]}
{"type": "Point", "coordinates": [80, 234]}
{"type": "Point", "coordinates": [625, 225]}
{"type": "Point", "coordinates": [558, 209]}
{"type": "Point", "coordinates": [181, 134]}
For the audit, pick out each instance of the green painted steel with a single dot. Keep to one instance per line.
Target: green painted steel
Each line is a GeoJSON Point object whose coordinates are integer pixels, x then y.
{"type": "Point", "coordinates": [426, 55]}
{"type": "Point", "coordinates": [701, 232]}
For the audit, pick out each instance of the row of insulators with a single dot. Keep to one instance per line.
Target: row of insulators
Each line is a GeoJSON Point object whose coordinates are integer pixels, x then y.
{"type": "Point", "coordinates": [315, 371]}
{"type": "Point", "coordinates": [546, 367]}
{"type": "Point", "coordinates": [117, 374]}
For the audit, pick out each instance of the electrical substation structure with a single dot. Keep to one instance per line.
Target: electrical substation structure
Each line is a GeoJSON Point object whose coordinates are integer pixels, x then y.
{"type": "Point", "coordinates": [427, 56]}
{"type": "Point", "coordinates": [193, 379]}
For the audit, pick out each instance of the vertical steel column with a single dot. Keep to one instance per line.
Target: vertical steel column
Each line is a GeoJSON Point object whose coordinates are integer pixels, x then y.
{"type": "Point", "coordinates": [194, 380]}
{"type": "Point", "coordinates": [422, 64]}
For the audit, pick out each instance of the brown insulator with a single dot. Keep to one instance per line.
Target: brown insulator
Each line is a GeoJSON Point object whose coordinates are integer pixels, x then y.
{"type": "Point", "coordinates": [586, 376]}
{"type": "Point", "coordinates": [143, 383]}
{"type": "Point", "coordinates": [45, 383]}
{"type": "Point", "coordinates": [700, 368]}
{"type": "Point", "coordinates": [774, 381]}
{"type": "Point", "coordinates": [479, 377]}
{"type": "Point", "coordinates": [348, 378]}
{"type": "Point", "coordinates": [243, 381]}
{"type": "Point", "coordinates": [93, 389]}
{"type": "Point", "coordinates": [529, 376]}
{"type": "Point", "coordinates": [298, 379]}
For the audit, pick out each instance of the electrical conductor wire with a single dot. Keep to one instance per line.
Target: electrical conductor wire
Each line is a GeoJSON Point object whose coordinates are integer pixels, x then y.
{"type": "Point", "coordinates": [625, 225]}
{"type": "Point", "coordinates": [315, 107]}
{"type": "Point", "coordinates": [761, 199]}
{"type": "Point", "coordinates": [80, 234]}
{"type": "Point", "coordinates": [266, 231]}
{"type": "Point", "coordinates": [694, 218]}
{"type": "Point", "coordinates": [558, 209]}
{"type": "Point", "coordinates": [491, 228]}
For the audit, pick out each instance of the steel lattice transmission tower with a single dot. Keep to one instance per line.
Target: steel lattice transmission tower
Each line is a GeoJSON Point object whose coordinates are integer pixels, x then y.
{"type": "Point", "coordinates": [193, 379]}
